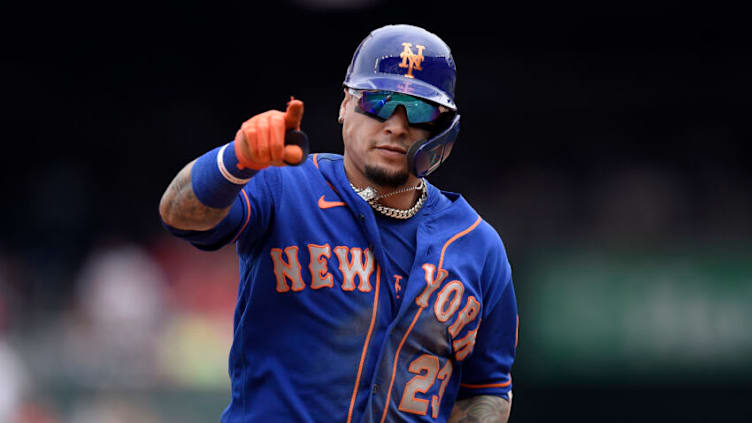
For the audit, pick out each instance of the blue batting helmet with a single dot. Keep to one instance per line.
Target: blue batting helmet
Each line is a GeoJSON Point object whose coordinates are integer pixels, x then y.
{"type": "Point", "coordinates": [405, 59]}
{"type": "Point", "coordinates": [410, 60]}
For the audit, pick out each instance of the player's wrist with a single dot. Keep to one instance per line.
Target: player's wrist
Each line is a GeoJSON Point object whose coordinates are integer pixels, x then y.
{"type": "Point", "coordinates": [216, 177]}
{"type": "Point", "coordinates": [229, 165]}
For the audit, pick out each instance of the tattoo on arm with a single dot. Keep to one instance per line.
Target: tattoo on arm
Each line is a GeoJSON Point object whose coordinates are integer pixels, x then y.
{"type": "Point", "coordinates": [181, 209]}
{"type": "Point", "coordinates": [481, 409]}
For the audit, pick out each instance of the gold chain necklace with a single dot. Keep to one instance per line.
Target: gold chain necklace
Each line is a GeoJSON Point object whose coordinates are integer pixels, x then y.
{"type": "Point", "coordinates": [371, 196]}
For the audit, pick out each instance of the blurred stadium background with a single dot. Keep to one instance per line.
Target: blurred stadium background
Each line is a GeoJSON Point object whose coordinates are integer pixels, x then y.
{"type": "Point", "coordinates": [608, 144]}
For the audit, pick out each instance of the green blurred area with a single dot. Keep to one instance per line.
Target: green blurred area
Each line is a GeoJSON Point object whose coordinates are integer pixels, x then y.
{"type": "Point", "coordinates": [636, 317]}
{"type": "Point", "coordinates": [154, 405]}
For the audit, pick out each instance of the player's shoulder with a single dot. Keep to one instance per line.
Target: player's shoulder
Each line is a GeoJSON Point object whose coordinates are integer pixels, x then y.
{"type": "Point", "coordinates": [461, 212]}
{"type": "Point", "coordinates": [325, 157]}
{"type": "Point", "coordinates": [314, 165]}
{"type": "Point", "coordinates": [478, 242]}
{"type": "Point", "coordinates": [487, 236]}
{"type": "Point", "coordinates": [477, 230]}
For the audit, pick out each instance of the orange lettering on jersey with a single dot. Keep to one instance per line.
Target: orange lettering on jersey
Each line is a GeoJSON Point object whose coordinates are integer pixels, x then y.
{"type": "Point", "coordinates": [289, 269]}
{"type": "Point", "coordinates": [397, 287]}
{"type": "Point", "coordinates": [470, 312]}
{"type": "Point", "coordinates": [431, 283]}
{"type": "Point", "coordinates": [443, 308]}
{"type": "Point", "coordinates": [464, 346]}
{"type": "Point", "coordinates": [320, 277]}
{"type": "Point", "coordinates": [356, 267]}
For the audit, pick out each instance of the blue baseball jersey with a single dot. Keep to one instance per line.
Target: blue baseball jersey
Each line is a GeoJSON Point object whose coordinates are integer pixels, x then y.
{"type": "Point", "coordinates": [333, 325]}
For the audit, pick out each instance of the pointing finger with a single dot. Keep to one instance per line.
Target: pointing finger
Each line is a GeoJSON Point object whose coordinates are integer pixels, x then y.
{"type": "Point", "coordinates": [293, 114]}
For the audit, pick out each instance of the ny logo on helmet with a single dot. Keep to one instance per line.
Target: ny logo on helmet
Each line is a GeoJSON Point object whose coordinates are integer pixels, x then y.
{"type": "Point", "coordinates": [414, 60]}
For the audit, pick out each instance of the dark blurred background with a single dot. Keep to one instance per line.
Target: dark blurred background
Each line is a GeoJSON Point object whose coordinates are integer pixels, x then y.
{"type": "Point", "coordinates": [607, 143]}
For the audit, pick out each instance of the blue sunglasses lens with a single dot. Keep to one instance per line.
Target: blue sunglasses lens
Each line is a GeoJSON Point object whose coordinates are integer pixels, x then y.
{"type": "Point", "coordinates": [384, 103]}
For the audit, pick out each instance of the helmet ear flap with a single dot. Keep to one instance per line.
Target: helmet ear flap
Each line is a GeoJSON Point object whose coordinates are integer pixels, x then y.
{"type": "Point", "coordinates": [425, 156]}
{"type": "Point", "coordinates": [411, 151]}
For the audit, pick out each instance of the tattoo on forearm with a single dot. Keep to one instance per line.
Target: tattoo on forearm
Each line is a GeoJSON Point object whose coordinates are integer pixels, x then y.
{"type": "Point", "coordinates": [481, 409]}
{"type": "Point", "coordinates": [180, 208]}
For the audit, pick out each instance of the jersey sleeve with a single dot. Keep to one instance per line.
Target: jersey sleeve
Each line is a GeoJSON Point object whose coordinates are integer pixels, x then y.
{"type": "Point", "coordinates": [249, 216]}
{"type": "Point", "coordinates": [487, 371]}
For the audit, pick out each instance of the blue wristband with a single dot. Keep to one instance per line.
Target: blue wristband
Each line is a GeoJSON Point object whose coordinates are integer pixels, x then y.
{"type": "Point", "coordinates": [216, 178]}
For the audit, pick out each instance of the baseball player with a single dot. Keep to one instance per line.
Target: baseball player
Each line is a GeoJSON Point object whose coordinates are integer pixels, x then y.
{"type": "Point", "coordinates": [366, 294]}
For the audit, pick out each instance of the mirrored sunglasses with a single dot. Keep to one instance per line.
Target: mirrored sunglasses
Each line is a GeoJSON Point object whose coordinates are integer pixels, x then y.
{"type": "Point", "coordinates": [382, 104]}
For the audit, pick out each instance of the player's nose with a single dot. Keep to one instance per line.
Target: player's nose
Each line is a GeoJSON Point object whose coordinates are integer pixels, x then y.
{"type": "Point", "coordinates": [397, 124]}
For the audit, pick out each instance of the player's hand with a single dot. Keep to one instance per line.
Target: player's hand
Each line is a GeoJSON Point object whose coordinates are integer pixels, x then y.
{"type": "Point", "coordinates": [260, 141]}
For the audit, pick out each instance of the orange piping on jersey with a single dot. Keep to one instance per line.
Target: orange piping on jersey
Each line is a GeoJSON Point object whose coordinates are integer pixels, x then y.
{"type": "Point", "coordinates": [247, 218]}
{"type": "Point", "coordinates": [517, 332]}
{"type": "Point", "coordinates": [365, 345]}
{"type": "Point", "coordinates": [396, 358]}
{"type": "Point", "coordinates": [454, 238]}
{"type": "Point", "coordinates": [316, 163]}
{"type": "Point", "coordinates": [415, 319]}
{"type": "Point", "coordinates": [490, 385]}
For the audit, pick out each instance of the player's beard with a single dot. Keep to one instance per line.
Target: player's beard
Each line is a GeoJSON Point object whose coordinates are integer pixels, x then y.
{"type": "Point", "coordinates": [384, 178]}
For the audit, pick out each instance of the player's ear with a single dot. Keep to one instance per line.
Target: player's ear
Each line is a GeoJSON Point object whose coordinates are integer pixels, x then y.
{"type": "Point", "coordinates": [343, 106]}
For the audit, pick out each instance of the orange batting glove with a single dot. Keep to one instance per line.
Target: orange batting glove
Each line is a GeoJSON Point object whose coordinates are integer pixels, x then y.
{"type": "Point", "coordinates": [260, 141]}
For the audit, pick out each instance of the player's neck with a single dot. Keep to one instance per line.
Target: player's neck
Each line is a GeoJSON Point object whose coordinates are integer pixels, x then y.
{"type": "Point", "coordinates": [403, 200]}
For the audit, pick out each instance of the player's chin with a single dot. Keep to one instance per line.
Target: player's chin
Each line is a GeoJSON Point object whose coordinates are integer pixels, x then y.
{"type": "Point", "coordinates": [387, 176]}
